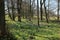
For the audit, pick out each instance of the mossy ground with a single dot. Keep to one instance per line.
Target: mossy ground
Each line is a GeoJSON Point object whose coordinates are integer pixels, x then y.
{"type": "Point", "coordinates": [26, 30]}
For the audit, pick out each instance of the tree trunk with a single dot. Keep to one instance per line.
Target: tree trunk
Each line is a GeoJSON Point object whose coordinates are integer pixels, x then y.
{"type": "Point", "coordinates": [30, 12]}
{"type": "Point", "coordinates": [41, 11]}
{"type": "Point", "coordinates": [45, 11]}
{"type": "Point", "coordinates": [13, 13]}
{"type": "Point", "coordinates": [2, 19]}
{"type": "Point", "coordinates": [19, 2]}
{"type": "Point", "coordinates": [8, 9]}
{"type": "Point", "coordinates": [58, 11]}
{"type": "Point", "coordinates": [38, 11]}
{"type": "Point", "coordinates": [48, 8]}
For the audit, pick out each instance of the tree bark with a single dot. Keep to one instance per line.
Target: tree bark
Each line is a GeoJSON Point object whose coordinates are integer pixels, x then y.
{"type": "Point", "coordinates": [41, 11]}
{"type": "Point", "coordinates": [45, 11]}
{"type": "Point", "coordinates": [19, 2]}
{"type": "Point", "coordinates": [58, 11]}
{"type": "Point", "coordinates": [13, 13]}
{"type": "Point", "coordinates": [30, 11]}
{"type": "Point", "coordinates": [38, 11]}
{"type": "Point", "coordinates": [2, 19]}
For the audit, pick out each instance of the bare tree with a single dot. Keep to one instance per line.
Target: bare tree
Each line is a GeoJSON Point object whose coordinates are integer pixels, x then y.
{"type": "Point", "coordinates": [41, 12]}
{"type": "Point", "coordinates": [45, 10]}
{"type": "Point", "coordinates": [38, 11]}
{"type": "Point", "coordinates": [58, 11]}
{"type": "Point", "coordinates": [8, 7]}
{"type": "Point", "coordinates": [13, 13]}
{"type": "Point", "coordinates": [48, 8]}
{"type": "Point", "coordinates": [30, 11]}
{"type": "Point", "coordinates": [19, 8]}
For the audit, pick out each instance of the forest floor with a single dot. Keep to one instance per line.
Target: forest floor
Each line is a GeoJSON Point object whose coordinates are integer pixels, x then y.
{"type": "Point", "coordinates": [29, 31]}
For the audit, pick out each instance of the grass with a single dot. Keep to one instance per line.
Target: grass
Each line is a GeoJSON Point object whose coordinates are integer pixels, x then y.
{"type": "Point", "coordinates": [27, 31]}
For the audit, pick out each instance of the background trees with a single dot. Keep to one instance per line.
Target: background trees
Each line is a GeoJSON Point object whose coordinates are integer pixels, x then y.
{"type": "Point", "coordinates": [28, 9]}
